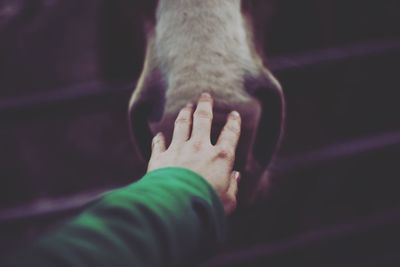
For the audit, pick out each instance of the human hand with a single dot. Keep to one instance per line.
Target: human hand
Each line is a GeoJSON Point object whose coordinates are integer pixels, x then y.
{"type": "Point", "coordinates": [191, 148]}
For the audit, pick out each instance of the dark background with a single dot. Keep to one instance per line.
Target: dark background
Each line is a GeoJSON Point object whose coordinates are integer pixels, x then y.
{"type": "Point", "coordinates": [67, 69]}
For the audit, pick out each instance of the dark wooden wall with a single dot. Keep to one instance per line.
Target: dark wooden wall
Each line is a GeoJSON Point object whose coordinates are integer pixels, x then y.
{"type": "Point", "coordinates": [67, 69]}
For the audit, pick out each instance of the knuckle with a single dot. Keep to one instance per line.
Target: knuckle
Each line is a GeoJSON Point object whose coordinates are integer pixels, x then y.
{"type": "Point", "coordinates": [204, 114]}
{"type": "Point", "coordinates": [182, 120]}
{"type": "Point", "coordinates": [235, 129]}
{"type": "Point", "coordinates": [197, 145]}
{"type": "Point", "coordinates": [183, 117]}
{"type": "Point", "coordinates": [226, 153]}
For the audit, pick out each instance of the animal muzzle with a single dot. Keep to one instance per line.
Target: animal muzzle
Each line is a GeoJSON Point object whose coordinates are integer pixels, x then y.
{"type": "Point", "coordinates": [262, 126]}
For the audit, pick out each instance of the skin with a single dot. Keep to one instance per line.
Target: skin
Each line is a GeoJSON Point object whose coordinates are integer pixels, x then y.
{"type": "Point", "coordinates": [191, 148]}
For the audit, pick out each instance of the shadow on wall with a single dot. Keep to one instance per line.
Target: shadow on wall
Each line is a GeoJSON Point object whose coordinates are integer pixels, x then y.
{"type": "Point", "coordinates": [50, 45]}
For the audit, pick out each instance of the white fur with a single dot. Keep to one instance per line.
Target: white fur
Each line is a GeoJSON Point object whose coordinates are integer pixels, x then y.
{"type": "Point", "coordinates": [202, 45]}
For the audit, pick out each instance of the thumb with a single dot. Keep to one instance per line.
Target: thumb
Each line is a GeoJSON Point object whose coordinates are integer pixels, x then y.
{"type": "Point", "coordinates": [233, 186]}
{"type": "Point", "coordinates": [232, 191]}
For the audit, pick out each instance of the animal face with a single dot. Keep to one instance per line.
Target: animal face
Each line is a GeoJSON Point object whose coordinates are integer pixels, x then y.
{"type": "Point", "coordinates": [197, 46]}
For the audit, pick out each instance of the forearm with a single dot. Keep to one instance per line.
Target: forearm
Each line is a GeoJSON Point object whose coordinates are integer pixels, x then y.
{"type": "Point", "coordinates": [169, 218]}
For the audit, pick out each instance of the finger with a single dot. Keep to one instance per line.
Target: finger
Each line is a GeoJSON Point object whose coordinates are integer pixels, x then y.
{"type": "Point", "coordinates": [233, 185]}
{"type": "Point", "coordinates": [202, 118]}
{"type": "Point", "coordinates": [232, 192]}
{"type": "Point", "coordinates": [158, 144]}
{"type": "Point", "coordinates": [230, 134]}
{"type": "Point", "coordinates": [183, 124]}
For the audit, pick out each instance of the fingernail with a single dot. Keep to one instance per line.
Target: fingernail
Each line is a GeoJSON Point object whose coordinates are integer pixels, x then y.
{"type": "Point", "coordinates": [156, 137]}
{"type": "Point", "coordinates": [205, 96]}
{"type": "Point", "coordinates": [237, 176]}
{"type": "Point", "coordinates": [235, 114]}
{"type": "Point", "coordinates": [154, 140]}
{"type": "Point", "coordinates": [189, 105]}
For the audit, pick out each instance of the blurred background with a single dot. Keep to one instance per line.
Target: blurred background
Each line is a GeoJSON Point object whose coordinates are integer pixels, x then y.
{"type": "Point", "coordinates": [67, 69]}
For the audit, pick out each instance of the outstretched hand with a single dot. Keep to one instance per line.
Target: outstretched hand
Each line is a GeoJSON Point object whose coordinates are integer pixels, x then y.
{"type": "Point", "coordinates": [191, 148]}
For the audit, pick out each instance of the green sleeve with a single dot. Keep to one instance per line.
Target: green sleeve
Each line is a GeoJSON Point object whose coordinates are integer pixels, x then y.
{"type": "Point", "coordinates": [171, 217]}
